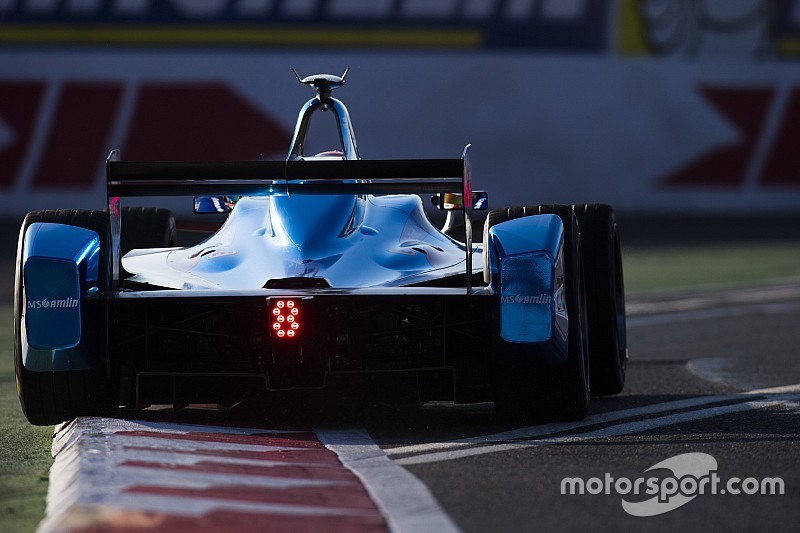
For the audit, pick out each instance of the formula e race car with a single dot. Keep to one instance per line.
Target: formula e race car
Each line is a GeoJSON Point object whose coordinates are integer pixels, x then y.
{"type": "Point", "coordinates": [326, 270]}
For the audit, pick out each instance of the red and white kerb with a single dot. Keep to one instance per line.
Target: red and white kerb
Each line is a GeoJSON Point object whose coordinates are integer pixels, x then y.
{"type": "Point", "coordinates": [285, 318]}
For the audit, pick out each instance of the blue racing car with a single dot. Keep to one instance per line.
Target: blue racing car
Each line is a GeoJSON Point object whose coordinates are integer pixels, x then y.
{"type": "Point", "coordinates": [326, 270]}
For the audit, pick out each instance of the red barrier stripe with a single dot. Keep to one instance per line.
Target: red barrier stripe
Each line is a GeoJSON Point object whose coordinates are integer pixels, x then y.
{"type": "Point", "coordinates": [78, 140]}
{"type": "Point", "coordinates": [158, 477]}
{"type": "Point", "coordinates": [294, 471]}
{"type": "Point", "coordinates": [341, 497]}
{"type": "Point", "coordinates": [297, 440]}
{"type": "Point", "coordinates": [318, 457]}
{"type": "Point", "coordinates": [19, 107]}
{"type": "Point", "coordinates": [230, 522]}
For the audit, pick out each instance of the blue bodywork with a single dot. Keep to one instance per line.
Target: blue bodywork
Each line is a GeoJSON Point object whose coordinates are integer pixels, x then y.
{"type": "Point", "coordinates": [338, 233]}
{"type": "Point", "coordinates": [526, 270]}
{"type": "Point", "coordinates": [348, 241]}
{"type": "Point", "coordinates": [59, 268]}
{"type": "Point", "coordinates": [343, 240]}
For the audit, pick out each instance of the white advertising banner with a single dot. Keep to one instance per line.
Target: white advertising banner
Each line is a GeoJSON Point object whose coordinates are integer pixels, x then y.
{"type": "Point", "coordinates": [649, 106]}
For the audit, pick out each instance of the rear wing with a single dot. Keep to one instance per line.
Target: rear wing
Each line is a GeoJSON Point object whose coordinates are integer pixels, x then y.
{"type": "Point", "coordinates": [284, 178]}
{"type": "Point", "coordinates": [269, 178]}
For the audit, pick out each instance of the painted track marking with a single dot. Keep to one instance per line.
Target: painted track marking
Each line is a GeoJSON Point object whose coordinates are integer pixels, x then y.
{"type": "Point", "coordinates": [731, 302]}
{"type": "Point", "coordinates": [170, 477]}
{"type": "Point", "coordinates": [117, 474]}
{"type": "Point", "coordinates": [406, 502]}
{"type": "Point", "coordinates": [785, 397]}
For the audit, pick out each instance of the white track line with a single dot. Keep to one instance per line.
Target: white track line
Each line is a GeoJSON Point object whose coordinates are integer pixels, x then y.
{"type": "Point", "coordinates": [404, 500]}
{"type": "Point", "coordinates": [99, 461]}
{"type": "Point", "coordinates": [560, 427]}
{"type": "Point", "coordinates": [731, 302]}
{"type": "Point", "coordinates": [707, 299]}
{"type": "Point", "coordinates": [440, 449]}
{"type": "Point", "coordinates": [628, 428]}
{"type": "Point", "coordinates": [671, 317]}
{"type": "Point", "coordinates": [783, 389]}
{"type": "Point", "coordinates": [406, 503]}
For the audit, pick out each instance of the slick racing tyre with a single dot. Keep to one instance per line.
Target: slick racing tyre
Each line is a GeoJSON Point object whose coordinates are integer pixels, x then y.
{"type": "Point", "coordinates": [147, 227]}
{"type": "Point", "coordinates": [605, 297]}
{"type": "Point", "coordinates": [48, 398]}
{"type": "Point", "coordinates": [547, 392]}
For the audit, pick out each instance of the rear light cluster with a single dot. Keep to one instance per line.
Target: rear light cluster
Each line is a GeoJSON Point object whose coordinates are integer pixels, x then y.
{"type": "Point", "coordinates": [285, 318]}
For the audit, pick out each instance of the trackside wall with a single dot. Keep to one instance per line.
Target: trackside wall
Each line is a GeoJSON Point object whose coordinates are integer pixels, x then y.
{"type": "Point", "coordinates": [647, 106]}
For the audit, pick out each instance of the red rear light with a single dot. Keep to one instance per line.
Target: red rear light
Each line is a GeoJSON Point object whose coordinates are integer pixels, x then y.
{"type": "Point", "coordinates": [285, 318]}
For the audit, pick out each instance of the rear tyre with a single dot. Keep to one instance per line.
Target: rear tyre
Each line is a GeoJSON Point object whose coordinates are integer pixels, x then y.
{"type": "Point", "coordinates": [147, 227]}
{"type": "Point", "coordinates": [549, 392]}
{"type": "Point", "coordinates": [605, 297]}
{"type": "Point", "coordinates": [48, 398]}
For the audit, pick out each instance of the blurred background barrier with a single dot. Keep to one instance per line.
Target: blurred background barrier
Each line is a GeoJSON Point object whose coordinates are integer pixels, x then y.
{"type": "Point", "coordinates": [655, 106]}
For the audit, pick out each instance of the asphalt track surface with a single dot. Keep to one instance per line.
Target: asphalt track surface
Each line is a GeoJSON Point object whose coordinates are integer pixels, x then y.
{"type": "Point", "coordinates": [710, 373]}
{"type": "Point", "coordinates": [713, 373]}
{"type": "Point", "coordinates": [693, 363]}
